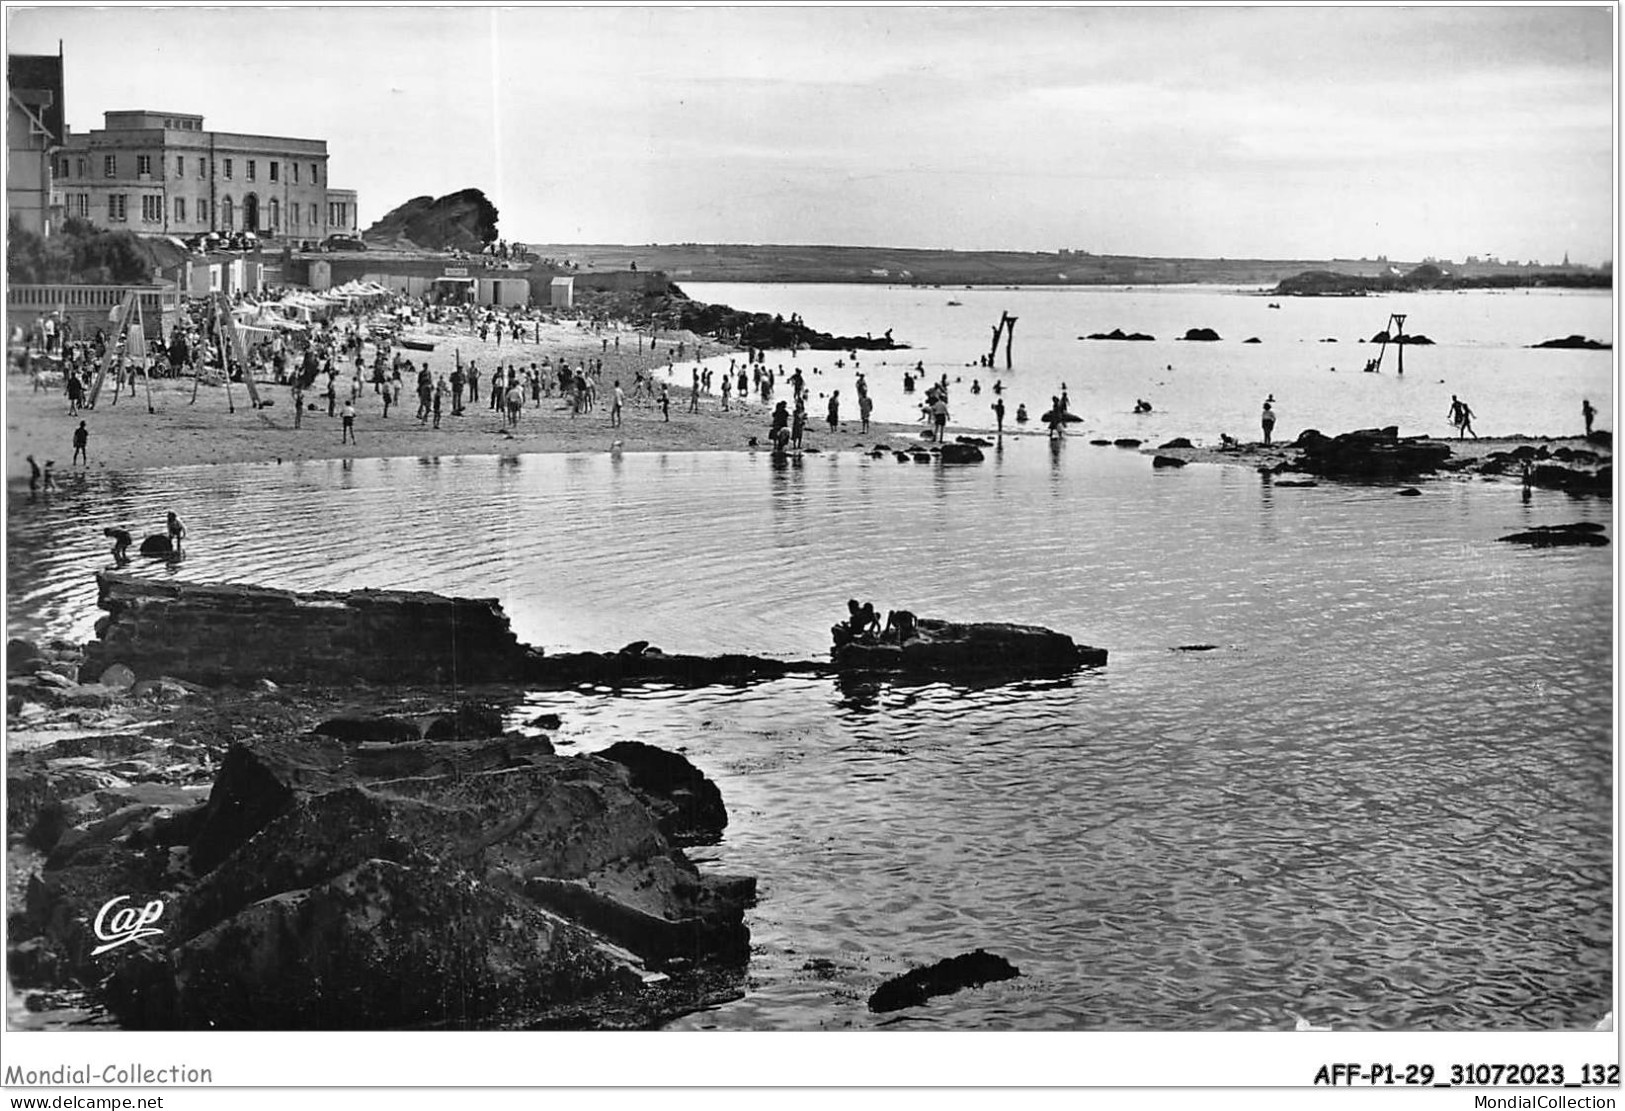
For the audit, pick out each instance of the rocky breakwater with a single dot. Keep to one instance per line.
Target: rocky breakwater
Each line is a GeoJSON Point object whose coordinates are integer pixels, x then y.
{"type": "Point", "coordinates": [386, 870]}
{"type": "Point", "coordinates": [211, 633]}
{"type": "Point", "coordinates": [1372, 453]}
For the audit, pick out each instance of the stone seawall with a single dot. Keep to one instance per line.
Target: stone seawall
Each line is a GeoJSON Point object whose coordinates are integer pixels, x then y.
{"type": "Point", "coordinates": [214, 633]}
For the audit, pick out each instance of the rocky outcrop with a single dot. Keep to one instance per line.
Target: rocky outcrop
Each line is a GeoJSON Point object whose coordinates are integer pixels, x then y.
{"type": "Point", "coordinates": [1119, 334]}
{"type": "Point", "coordinates": [212, 633]}
{"type": "Point", "coordinates": [317, 889]}
{"type": "Point", "coordinates": [1417, 340]}
{"type": "Point", "coordinates": [960, 453]}
{"type": "Point", "coordinates": [968, 970]}
{"type": "Point", "coordinates": [1375, 453]}
{"type": "Point", "coordinates": [1574, 343]}
{"type": "Point", "coordinates": [1200, 335]}
{"type": "Point", "coordinates": [947, 647]}
{"type": "Point", "coordinates": [461, 221]}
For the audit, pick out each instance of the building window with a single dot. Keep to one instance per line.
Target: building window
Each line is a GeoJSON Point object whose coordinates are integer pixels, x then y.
{"type": "Point", "coordinates": [115, 206]}
{"type": "Point", "coordinates": [152, 210]}
{"type": "Point", "coordinates": [110, 165]}
{"type": "Point", "coordinates": [180, 210]}
{"type": "Point", "coordinates": [180, 166]}
{"type": "Point", "coordinates": [276, 213]}
{"type": "Point", "coordinates": [315, 217]}
{"type": "Point", "coordinates": [82, 205]}
{"type": "Point", "coordinates": [225, 211]}
{"type": "Point", "coordinates": [203, 210]}
{"type": "Point", "coordinates": [79, 170]}
{"type": "Point", "coordinates": [314, 178]}
{"type": "Point", "coordinates": [293, 216]}
{"type": "Point", "coordinates": [251, 169]}
{"type": "Point", "coordinates": [202, 167]}
{"type": "Point", "coordinates": [227, 169]}
{"type": "Point", "coordinates": [274, 166]}
{"type": "Point", "coordinates": [295, 167]}
{"type": "Point", "coordinates": [143, 164]}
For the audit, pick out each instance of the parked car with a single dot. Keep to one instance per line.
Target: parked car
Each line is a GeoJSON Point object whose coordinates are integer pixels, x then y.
{"type": "Point", "coordinates": [343, 243]}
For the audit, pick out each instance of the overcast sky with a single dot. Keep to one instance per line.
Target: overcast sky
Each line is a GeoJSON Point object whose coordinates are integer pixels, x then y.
{"type": "Point", "coordinates": [1238, 132]}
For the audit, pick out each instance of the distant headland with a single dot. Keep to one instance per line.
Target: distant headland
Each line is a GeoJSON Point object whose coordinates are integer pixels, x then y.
{"type": "Point", "coordinates": [730, 262]}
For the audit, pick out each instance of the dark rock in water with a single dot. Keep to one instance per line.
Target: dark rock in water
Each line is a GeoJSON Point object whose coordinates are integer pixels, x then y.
{"type": "Point", "coordinates": [971, 648]}
{"type": "Point", "coordinates": [1176, 442]}
{"type": "Point", "coordinates": [636, 648]}
{"type": "Point", "coordinates": [1329, 339]}
{"type": "Point", "coordinates": [19, 650]}
{"type": "Point", "coordinates": [196, 631]}
{"type": "Point", "coordinates": [922, 457]}
{"type": "Point", "coordinates": [1201, 335]}
{"type": "Point", "coordinates": [1167, 461]}
{"type": "Point", "coordinates": [1369, 453]}
{"type": "Point", "coordinates": [975, 441]}
{"type": "Point", "coordinates": [1253, 339]}
{"type": "Point", "coordinates": [1127, 441]}
{"type": "Point", "coordinates": [1587, 534]}
{"type": "Point", "coordinates": [157, 544]}
{"type": "Point", "coordinates": [1575, 480]}
{"type": "Point", "coordinates": [1101, 443]}
{"type": "Point", "coordinates": [1417, 340]}
{"type": "Point", "coordinates": [968, 970]}
{"type": "Point", "coordinates": [1410, 492]}
{"type": "Point", "coordinates": [961, 453]}
{"type": "Point", "coordinates": [1295, 483]}
{"type": "Point", "coordinates": [1118, 334]}
{"type": "Point", "coordinates": [1575, 343]}
{"type": "Point", "coordinates": [687, 805]}
{"type": "Point", "coordinates": [902, 456]}
{"type": "Point", "coordinates": [1197, 648]}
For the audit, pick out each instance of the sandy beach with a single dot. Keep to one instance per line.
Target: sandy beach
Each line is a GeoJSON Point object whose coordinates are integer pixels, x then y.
{"type": "Point", "coordinates": [179, 431]}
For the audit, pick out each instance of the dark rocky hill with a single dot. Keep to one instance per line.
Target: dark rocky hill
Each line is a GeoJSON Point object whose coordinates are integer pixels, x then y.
{"type": "Point", "coordinates": [461, 221]}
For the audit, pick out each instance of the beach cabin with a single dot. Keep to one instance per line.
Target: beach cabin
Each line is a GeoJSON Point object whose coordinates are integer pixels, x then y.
{"type": "Point", "coordinates": [563, 293]}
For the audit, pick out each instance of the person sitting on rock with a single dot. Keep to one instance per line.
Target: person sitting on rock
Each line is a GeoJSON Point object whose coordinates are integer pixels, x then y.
{"type": "Point", "coordinates": [900, 627]}
{"type": "Point", "coordinates": [864, 622]}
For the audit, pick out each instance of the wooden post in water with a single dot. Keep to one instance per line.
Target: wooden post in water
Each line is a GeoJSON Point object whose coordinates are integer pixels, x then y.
{"type": "Point", "coordinates": [998, 328]}
{"type": "Point", "coordinates": [1009, 337]}
{"type": "Point", "coordinates": [1398, 320]}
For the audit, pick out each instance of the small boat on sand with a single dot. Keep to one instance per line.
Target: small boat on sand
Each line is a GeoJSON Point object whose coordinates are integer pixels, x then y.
{"type": "Point", "coordinates": [417, 344]}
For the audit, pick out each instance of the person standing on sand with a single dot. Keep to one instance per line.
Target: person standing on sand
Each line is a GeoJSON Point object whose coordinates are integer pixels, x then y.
{"type": "Point", "coordinates": [798, 425]}
{"type": "Point", "coordinates": [835, 411]}
{"type": "Point", "coordinates": [1587, 410]}
{"type": "Point", "coordinates": [1462, 417]}
{"type": "Point", "coordinates": [998, 414]}
{"type": "Point", "coordinates": [347, 418]}
{"type": "Point", "coordinates": [439, 395]}
{"type": "Point", "coordinates": [1267, 420]}
{"type": "Point", "coordinates": [299, 403]}
{"type": "Point", "coordinates": [516, 401]}
{"type": "Point", "coordinates": [866, 405]}
{"type": "Point", "coordinates": [81, 441]}
{"type": "Point", "coordinates": [473, 382]}
{"type": "Point", "coordinates": [617, 400]}
{"type": "Point", "coordinates": [33, 475]}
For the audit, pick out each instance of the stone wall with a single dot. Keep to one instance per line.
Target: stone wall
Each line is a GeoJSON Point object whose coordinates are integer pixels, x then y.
{"type": "Point", "coordinates": [214, 633]}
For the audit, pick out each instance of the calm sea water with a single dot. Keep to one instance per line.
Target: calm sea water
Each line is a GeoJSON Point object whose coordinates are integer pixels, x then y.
{"type": "Point", "coordinates": [1202, 390]}
{"type": "Point", "coordinates": [1382, 799]}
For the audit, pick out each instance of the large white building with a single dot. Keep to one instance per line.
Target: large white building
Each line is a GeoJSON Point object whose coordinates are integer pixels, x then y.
{"type": "Point", "coordinates": [163, 173]}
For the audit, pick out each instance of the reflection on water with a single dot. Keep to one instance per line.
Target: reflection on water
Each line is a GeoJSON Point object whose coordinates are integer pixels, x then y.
{"type": "Point", "coordinates": [1382, 800]}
